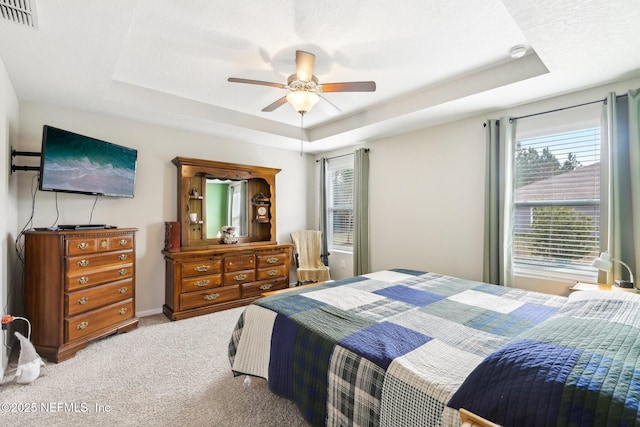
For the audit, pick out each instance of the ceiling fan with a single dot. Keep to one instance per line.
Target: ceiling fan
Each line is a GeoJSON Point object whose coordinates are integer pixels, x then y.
{"type": "Point", "coordinates": [305, 90]}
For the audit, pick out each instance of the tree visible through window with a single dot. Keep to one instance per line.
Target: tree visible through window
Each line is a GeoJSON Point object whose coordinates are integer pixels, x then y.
{"type": "Point", "coordinates": [557, 202]}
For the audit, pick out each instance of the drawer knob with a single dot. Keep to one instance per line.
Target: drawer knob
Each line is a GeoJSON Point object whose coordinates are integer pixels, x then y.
{"type": "Point", "coordinates": [123, 310]}
{"type": "Point", "coordinates": [83, 300]}
{"type": "Point", "coordinates": [82, 325]}
{"type": "Point", "coordinates": [272, 273]}
{"type": "Point", "coordinates": [83, 280]}
{"type": "Point", "coordinates": [103, 244]}
{"type": "Point", "coordinates": [266, 286]}
{"type": "Point", "coordinates": [83, 263]}
{"type": "Point", "coordinates": [202, 268]}
{"type": "Point", "coordinates": [122, 271]}
{"type": "Point", "coordinates": [122, 290]}
{"type": "Point", "coordinates": [83, 245]}
{"type": "Point", "coordinates": [122, 257]}
{"type": "Point", "coordinates": [122, 242]}
{"type": "Point", "coordinates": [272, 260]}
{"type": "Point", "coordinates": [211, 297]}
{"type": "Point", "coordinates": [240, 277]}
{"type": "Point", "coordinates": [203, 282]}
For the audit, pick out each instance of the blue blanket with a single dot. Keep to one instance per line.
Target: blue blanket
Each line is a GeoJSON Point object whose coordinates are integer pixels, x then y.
{"type": "Point", "coordinates": [579, 368]}
{"type": "Point", "coordinates": [384, 349]}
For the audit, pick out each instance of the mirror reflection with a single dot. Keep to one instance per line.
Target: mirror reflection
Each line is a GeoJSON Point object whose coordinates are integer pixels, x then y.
{"type": "Point", "coordinates": [226, 204]}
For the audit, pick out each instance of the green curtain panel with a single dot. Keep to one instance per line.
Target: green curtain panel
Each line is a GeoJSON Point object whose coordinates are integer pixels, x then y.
{"type": "Point", "coordinates": [498, 211]}
{"type": "Point", "coordinates": [324, 245]}
{"type": "Point", "coordinates": [361, 253]}
{"type": "Point", "coordinates": [621, 128]}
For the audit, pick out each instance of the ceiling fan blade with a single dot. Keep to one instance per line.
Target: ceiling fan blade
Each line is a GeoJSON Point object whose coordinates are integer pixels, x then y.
{"type": "Point", "coordinates": [304, 65]}
{"type": "Point", "coordinates": [255, 82]}
{"type": "Point", "coordinates": [280, 102]}
{"type": "Point", "coordinates": [328, 107]}
{"type": "Point", "coordinates": [348, 87]}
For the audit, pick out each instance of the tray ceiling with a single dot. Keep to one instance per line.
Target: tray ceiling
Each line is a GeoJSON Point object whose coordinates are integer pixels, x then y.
{"type": "Point", "coordinates": [167, 62]}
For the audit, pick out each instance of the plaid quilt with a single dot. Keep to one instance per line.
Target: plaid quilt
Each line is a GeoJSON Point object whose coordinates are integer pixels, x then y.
{"type": "Point", "coordinates": [579, 368]}
{"type": "Point", "coordinates": [383, 349]}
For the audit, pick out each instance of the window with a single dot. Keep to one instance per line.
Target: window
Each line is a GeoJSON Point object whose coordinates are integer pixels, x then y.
{"type": "Point", "coordinates": [557, 204]}
{"type": "Point", "coordinates": [340, 203]}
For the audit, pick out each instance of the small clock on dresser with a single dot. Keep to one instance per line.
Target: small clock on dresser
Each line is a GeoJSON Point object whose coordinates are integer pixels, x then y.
{"type": "Point", "coordinates": [260, 208]}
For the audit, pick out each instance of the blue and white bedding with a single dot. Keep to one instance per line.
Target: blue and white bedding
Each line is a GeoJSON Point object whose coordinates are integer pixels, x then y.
{"type": "Point", "coordinates": [579, 368]}
{"type": "Point", "coordinates": [394, 347]}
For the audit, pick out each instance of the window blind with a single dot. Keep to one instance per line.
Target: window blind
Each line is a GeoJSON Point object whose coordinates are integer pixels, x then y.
{"type": "Point", "coordinates": [340, 204]}
{"type": "Point", "coordinates": [557, 203]}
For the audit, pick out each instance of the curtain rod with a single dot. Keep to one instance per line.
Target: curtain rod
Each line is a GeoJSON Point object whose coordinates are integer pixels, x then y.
{"type": "Point", "coordinates": [366, 150]}
{"type": "Point", "coordinates": [566, 108]}
{"type": "Point", "coordinates": [558, 109]}
{"type": "Point", "coordinates": [561, 109]}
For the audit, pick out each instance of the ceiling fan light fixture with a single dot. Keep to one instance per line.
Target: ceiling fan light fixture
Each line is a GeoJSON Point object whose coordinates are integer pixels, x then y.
{"type": "Point", "coordinates": [302, 101]}
{"type": "Point", "coordinates": [303, 86]}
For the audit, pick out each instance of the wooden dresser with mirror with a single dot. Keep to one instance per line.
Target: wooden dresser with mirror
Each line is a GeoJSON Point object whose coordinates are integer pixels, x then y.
{"type": "Point", "coordinates": [205, 274]}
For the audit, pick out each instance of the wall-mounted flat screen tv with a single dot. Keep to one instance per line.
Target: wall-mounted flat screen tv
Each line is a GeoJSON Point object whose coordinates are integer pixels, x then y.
{"type": "Point", "coordinates": [80, 164]}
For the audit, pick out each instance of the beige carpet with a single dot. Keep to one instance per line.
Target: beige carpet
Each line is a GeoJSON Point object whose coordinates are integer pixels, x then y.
{"type": "Point", "coordinates": [163, 373]}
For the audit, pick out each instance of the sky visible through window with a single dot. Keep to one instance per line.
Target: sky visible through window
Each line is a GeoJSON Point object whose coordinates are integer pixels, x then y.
{"type": "Point", "coordinates": [584, 144]}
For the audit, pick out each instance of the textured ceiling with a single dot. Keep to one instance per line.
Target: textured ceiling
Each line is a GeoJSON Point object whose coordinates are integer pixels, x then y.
{"type": "Point", "coordinates": [167, 62]}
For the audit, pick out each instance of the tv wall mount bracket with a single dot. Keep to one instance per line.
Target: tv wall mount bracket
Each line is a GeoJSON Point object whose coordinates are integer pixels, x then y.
{"type": "Point", "coordinates": [15, 153]}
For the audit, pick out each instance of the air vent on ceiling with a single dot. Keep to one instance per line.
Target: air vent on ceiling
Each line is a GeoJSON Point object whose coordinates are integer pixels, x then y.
{"type": "Point", "coordinates": [21, 12]}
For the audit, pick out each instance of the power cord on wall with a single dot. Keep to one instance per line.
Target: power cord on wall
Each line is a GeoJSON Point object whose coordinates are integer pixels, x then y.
{"type": "Point", "coordinates": [17, 280]}
{"type": "Point", "coordinates": [95, 202]}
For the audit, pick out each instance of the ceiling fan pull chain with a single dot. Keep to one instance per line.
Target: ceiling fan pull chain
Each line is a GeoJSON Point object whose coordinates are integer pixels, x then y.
{"type": "Point", "coordinates": [301, 130]}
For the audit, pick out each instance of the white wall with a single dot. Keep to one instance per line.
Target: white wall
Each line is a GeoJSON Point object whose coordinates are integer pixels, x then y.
{"type": "Point", "coordinates": [156, 184]}
{"type": "Point", "coordinates": [426, 200]}
{"type": "Point", "coordinates": [427, 195]}
{"type": "Point", "coordinates": [9, 287]}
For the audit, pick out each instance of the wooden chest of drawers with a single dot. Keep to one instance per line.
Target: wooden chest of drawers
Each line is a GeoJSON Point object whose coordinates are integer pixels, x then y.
{"type": "Point", "coordinates": [205, 281]}
{"type": "Point", "coordinates": [79, 287]}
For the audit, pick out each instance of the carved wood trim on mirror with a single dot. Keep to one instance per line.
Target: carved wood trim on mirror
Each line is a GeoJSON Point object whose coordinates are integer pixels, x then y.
{"type": "Point", "coordinates": [213, 194]}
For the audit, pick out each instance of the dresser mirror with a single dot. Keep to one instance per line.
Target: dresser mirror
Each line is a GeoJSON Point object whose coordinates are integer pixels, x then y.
{"type": "Point", "coordinates": [226, 204]}
{"type": "Point", "coordinates": [213, 195]}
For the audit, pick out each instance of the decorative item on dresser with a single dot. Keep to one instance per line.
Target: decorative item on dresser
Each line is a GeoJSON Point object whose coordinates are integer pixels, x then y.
{"type": "Point", "coordinates": [79, 287]}
{"type": "Point", "coordinates": [216, 268]}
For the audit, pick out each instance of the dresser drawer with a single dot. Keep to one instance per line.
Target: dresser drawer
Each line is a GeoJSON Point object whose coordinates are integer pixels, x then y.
{"type": "Point", "coordinates": [258, 288]}
{"type": "Point", "coordinates": [199, 299]}
{"type": "Point", "coordinates": [239, 277]}
{"type": "Point", "coordinates": [93, 321]}
{"type": "Point", "coordinates": [272, 273]}
{"type": "Point", "coordinates": [81, 279]}
{"type": "Point", "coordinates": [201, 282]}
{"type": "Point", "coordinates": [119, 243]}
{"type": "Point", "coordinates": [88, 299]}
{"type": "Point", "coordinates": [239, 262]}
{"type": "Point", "coordinates": [271, 259]}
{"type": "Point", "coordinates": [78, 264]}
{"type": "Point", "coordinates": [80, 246]}
{"type": "Point", "coordinates": [201, 268]}
{"type": "Point", "coordinates": [77, 246]}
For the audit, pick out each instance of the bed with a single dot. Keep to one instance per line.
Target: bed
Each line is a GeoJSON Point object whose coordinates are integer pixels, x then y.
{"type": "Point", "coordinates": [404, 347]}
